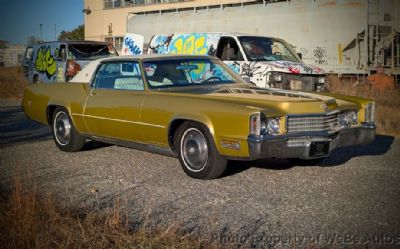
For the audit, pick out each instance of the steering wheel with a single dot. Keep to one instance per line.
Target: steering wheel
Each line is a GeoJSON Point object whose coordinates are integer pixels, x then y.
{"type": "Point", "coordinates": [213, 78]}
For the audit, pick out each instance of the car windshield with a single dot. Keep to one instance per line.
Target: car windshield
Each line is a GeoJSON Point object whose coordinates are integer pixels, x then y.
{"type": "Point", "coordinates": [187, 72]}
{"type": "Point", "coordinates": [267, 49]}
{"type": "Point", "coordinates": [90, 51]}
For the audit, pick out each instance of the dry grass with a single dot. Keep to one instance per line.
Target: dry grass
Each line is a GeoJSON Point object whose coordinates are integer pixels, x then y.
{"type": "Point", "coordinates": [28, 221]}
{"type": "Point", "coordinates": [12, 82]}
{"type": "Point", "coordinates": [387, 102]}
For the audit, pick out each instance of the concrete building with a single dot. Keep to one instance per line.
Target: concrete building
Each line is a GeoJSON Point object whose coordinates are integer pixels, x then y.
{"type": "Point", "coordinates": [106, 20]}
{"type": "Point", "coordinates": [11, 55]}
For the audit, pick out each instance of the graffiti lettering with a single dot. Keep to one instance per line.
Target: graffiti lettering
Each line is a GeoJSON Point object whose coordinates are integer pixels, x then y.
{"type": "Point", "coordinates": [131, 47]}
{"type": "Point", "coordinates": [320, 55]}
{"type": "Point", "coordinates": [189, 44]}
{"type": "Point", "coordinates": [45, 62]}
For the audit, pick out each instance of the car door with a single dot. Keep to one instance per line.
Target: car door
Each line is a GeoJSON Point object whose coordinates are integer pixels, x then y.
{"type": "Point", "coordinates": [114, 103]}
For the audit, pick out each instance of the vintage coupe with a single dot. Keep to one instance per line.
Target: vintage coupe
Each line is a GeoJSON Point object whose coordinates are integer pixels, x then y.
{"type": "Point", "coordinates": [196, 108]}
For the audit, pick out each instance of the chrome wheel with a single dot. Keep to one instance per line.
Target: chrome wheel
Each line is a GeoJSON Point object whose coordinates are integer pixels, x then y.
{"type": "Point", "coordinates": [62, 128]}
{"type": "Point", "coordinates": [194, 150]}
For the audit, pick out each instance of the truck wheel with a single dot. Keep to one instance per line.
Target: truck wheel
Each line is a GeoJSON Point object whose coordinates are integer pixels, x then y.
{"type": "Point", "coordinates": [35, 79]}
{"type": "Point", "coordinates": [65, 135]}
{"type": "Point", "coordinates": [197, 152]}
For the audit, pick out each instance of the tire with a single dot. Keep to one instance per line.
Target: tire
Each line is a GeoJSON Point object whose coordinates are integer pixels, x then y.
{"type": "Point", "coordinates": [65, 135]}
{"type": "Point", "coordinates": [197, 152]}
{"type": "Point", "coordinates": [306, 162]}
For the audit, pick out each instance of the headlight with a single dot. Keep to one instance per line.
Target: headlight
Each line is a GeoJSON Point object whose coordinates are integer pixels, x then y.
{"type": "Point", "coordinates": [273, 126]}
{"type": "Point", "coordinates": [276, 77]}
{"type": "Point", "coordinates": [347, 119]}
{"type": "Point", "coordinates": [320, 84]}
{"type": "Point", "coordinates": [370, 112]}
{"type": "Point", "coordinates": [320, 80]}
{"type": "Point", "coordinates": [255, 124]}
{"type": "Point", "coordinates": [260, 125]}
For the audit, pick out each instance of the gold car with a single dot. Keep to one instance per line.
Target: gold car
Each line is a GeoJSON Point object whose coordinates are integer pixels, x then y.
{"type": "Point", "coordinates": [196, 108]}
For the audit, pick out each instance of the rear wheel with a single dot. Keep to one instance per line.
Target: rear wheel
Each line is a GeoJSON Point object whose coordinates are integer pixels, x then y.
{"type": "Point", "coordinates": [65, 135]}
{"type": "Point", "coordinates": [197, 152]}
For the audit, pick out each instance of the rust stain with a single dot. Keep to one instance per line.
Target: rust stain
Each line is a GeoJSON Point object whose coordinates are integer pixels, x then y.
{"type": "Point", "coordinates": [327, 4]}
{"type": "Point", "coordinates": [354, 4]}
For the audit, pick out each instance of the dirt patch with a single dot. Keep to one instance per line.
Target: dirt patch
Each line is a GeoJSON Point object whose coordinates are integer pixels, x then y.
{"type": "Point", "coordinates": [12, 82]}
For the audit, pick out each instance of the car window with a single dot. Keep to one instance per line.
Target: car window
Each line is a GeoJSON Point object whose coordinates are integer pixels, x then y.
{"type": "Point", "coordinates": [124, 75]}
{"type": "Point", "coordinates": [186, 72]}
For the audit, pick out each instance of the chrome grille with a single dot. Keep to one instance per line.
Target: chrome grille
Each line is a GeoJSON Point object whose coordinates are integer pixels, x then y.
{"type": "Point", "coordinates": [326, 122]}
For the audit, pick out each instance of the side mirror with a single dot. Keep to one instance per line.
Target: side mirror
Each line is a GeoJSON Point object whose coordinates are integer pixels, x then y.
{"type": "Point", "coordinates": [300, 55]}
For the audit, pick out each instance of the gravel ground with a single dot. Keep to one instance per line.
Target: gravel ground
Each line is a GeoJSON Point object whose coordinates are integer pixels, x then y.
{"type": "Point", "coordinates": [353, 195]}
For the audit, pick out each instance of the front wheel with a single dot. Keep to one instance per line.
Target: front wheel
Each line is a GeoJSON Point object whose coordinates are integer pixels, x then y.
{"type": "Point", "coordinates": [65, 135]}
{"type": "Point", "coordinates": [197, 152]}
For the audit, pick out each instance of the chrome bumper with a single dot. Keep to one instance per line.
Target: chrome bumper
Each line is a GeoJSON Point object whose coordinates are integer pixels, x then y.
{"type": "Point", "coordinates": [308, 145]}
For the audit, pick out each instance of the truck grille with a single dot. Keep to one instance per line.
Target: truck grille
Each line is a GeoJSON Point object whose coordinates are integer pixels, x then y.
{"type": "Point", "coordinates": [326, 122]}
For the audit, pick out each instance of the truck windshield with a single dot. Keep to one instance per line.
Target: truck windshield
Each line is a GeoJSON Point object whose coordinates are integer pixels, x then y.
{"type": "Point", "coordinates": [267, 49]}
{"type": "Point", "coordinates": [90, 51]}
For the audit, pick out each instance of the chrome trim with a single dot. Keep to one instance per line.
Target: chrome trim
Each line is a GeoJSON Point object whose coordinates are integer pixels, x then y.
{"type": "Point", "coordinates": [119, 120]}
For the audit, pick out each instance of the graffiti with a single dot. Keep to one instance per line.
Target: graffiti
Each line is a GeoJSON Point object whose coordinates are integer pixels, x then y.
{"type": "Point", "coordinates": [189, 44]}
{"type": "Point", "coordinates": [294, 70]}
{"type": "Point", "coordinates": [45, 62]}
{"type": "Point", "coordinates": [159, 44]}
{"type": "Point", "coordinates": [130, 46]}
{"type": "Point", "coordinates": [234, 66]}
{"type": "Point", "coordinates": [320, 55]}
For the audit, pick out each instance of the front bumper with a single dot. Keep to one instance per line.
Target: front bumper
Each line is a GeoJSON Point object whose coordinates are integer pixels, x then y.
{"type": "Point", "coordinates": [308, 145]}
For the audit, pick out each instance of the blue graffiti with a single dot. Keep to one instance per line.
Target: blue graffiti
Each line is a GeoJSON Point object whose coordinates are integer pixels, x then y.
{"type": "Point", "coordinates": [234, 67]}
{"type": "Point", "coordinates": [130, 44]}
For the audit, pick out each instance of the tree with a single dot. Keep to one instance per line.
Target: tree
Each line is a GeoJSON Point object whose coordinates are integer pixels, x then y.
{"type": "Point", "coordinates": [76, 34]}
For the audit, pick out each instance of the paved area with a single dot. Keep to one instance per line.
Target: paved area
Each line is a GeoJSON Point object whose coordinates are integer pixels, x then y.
{"type": "Point", "coordinates": [351, 199]}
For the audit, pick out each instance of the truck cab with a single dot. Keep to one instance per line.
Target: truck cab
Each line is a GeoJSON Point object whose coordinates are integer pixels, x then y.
{"type": "Point", "coordinates": [265, 61]}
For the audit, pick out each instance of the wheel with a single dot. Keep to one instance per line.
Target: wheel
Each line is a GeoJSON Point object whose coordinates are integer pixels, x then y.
{"type": "Point", "coordinates": [65, 135]}
{"type": "Point", "coordinates": [197, 152]}
{"type": "Point", "coordinates": [306, 162]}
{"type": "Point", "coordinates": [35, 79]}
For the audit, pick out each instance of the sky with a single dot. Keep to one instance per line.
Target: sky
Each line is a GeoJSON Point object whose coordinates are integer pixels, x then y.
{"type": "Point", "coordinates": [22, 18]}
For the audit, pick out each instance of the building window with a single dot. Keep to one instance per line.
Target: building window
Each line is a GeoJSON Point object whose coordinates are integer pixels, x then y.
{"type": "Point", "coordinates": [108, 4]}
{"type": "Point", "coordinates": [116, 41]}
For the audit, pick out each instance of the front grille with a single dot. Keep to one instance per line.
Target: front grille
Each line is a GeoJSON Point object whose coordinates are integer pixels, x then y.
{"type": "Point", "coordinates": [325, 122]}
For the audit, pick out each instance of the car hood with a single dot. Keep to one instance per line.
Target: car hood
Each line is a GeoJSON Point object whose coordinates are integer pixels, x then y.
{"type": "Point", "coordinates": [291, 67]}
{"type": "Point", "coordinates": [285, 101]}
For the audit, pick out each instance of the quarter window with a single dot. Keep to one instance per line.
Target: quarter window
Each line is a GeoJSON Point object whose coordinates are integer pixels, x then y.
{"type": "Point", "coordinates": [124, 75]}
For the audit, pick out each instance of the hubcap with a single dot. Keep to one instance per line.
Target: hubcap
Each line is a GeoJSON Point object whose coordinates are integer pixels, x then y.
{"type": "Point", "coordinates": [62, 128]}
{"type": "Point", "coordinates": [194, 150]}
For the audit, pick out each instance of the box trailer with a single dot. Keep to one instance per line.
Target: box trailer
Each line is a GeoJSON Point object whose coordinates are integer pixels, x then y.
{"type": "Point", "coordinates": [340, 36]}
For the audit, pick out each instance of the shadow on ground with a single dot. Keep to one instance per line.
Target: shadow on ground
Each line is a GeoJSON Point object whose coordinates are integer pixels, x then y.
{"type": "Point", "coordinates": [338, 157]}
{"type": "Point", "coordinates": [15, 127]}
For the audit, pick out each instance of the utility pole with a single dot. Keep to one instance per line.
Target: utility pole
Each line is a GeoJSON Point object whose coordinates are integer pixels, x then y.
{"type": "Point", "coordinates": [41, 32]}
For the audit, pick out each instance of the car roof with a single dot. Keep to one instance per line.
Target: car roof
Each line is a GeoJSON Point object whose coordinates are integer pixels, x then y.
{"type": "Point", "coordinates": [70, 42]}
{"type": "Point", "coordinates": [87, 72]}
{"type": "Point", "coordinates": [154, 57]}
